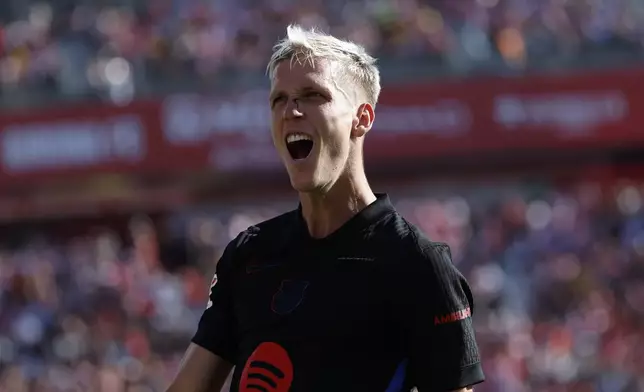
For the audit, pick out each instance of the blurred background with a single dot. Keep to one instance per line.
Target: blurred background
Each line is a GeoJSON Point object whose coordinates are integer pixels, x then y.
{"type": "Point", "coordinates": [134, 145]}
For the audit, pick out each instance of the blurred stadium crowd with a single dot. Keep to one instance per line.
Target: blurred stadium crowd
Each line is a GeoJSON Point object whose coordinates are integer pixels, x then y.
{"type": "Point", "coordinates": [117, 49]}
{"type": "Point", "coordinates": [557, 275]}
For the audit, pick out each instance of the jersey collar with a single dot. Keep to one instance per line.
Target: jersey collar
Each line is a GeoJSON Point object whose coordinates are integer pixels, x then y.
{"type": "Point", "coordinates": [370, 215]}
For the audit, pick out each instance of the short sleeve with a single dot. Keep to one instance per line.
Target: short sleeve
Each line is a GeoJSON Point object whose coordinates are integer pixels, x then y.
{"type": "Point", "coordinates": [216, 330]}
{"type": "Point", "coordinates": [443, 352]}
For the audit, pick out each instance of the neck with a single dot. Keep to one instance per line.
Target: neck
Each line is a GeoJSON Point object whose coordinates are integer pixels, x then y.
{"type": "Point", "coordinates": [326, 212]}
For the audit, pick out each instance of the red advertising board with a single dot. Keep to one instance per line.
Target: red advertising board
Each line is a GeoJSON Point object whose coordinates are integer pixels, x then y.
{"type": "Point", "coordinates": [84, 139]}
{"type": "Point", "coordinates": [230, 133]}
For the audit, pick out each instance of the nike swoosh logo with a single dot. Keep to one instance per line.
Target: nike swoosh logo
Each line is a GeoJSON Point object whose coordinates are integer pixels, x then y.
{"type": "Point", "coordinates": [257, 267]}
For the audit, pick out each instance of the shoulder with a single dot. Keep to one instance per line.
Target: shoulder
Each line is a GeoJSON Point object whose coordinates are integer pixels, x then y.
{"type": "Point", "coordinates": [427, 253]}
{"type": "Point", "coordinates": [270, 234]}
{"type": "Point", "coordinates": [418, 250]}
{"type": "Point", "coordinates": [272, 231]}
{"type": "Point", "coordinates": [420, 258]}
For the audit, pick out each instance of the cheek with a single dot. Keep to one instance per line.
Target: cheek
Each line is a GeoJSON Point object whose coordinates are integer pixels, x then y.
{"type": "Point", "coordinates": [340, 140]}
{"type": "Point", "coordinates": [275, 126]}
{"type": "Point", "coordinates": [341, 125]}
{"type": "Point", "coordinates": [339, 121]}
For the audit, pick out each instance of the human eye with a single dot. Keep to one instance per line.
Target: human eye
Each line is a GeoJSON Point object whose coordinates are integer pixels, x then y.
{"type": "Point", "coordinates": [277, 100]}
{"type": "Point", "coordinates": [313, 94]}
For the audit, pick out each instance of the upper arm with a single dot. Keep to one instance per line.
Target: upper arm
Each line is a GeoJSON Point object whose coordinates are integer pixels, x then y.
{"type": "Point", "coordinates": [200, 371]}
{"type": "Point", "coordinates": [212, 353]}
{"type": "Point", "coordinates": [217, 330]}
{"type": "Point", "coordinates": [444, 355]}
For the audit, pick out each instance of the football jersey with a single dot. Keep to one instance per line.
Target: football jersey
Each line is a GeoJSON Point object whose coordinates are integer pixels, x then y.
{"type": "Point", "coordinates": [375, 306]}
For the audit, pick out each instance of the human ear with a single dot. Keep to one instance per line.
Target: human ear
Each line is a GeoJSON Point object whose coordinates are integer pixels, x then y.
{"type": "Point", "coordinates": [363, 121]}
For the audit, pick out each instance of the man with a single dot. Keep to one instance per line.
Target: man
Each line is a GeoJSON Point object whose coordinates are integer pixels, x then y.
{"type": "Point", "coordinates": [341, 294]}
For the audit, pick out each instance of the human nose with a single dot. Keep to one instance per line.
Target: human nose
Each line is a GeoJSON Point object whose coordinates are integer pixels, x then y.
{"type": "Point", "coordinates": [292, 109]}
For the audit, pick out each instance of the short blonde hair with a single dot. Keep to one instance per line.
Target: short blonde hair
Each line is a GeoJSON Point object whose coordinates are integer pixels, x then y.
{"type": "Point", "coordinates": [307, 45]}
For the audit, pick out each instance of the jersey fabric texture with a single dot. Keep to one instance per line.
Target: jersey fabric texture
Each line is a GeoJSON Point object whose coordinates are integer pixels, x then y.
{"type": "Point", "coordinates": [375, 306]}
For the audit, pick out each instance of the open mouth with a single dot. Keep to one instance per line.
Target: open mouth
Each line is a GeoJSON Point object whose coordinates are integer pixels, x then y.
{"type": "Point", "coordinates": [299, 145]}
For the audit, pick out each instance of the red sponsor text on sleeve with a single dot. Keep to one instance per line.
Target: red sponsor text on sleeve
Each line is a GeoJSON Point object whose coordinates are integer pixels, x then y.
{"type": "Point", "coordinates": [453, 317]}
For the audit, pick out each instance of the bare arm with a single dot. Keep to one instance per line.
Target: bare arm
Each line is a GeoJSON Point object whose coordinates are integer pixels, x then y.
{"type": "Point", "coordinates": [200, 371]}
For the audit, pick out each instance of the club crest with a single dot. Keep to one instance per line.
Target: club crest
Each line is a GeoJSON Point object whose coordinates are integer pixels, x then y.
{"type": "Point", "coordinates": [289, 296]}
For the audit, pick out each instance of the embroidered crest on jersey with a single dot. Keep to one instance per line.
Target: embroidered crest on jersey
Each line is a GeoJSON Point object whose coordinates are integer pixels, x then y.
{"type": "Point", "coordinates": [289, 296]}
{"type": "Point", "coordinates": [269, 368]}
{"type": "Point", "coordinates": [213, 283]}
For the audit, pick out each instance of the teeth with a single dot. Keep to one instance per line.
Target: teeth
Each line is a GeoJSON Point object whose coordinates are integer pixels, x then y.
{"type": "Point", "coordinates": [294, 137]}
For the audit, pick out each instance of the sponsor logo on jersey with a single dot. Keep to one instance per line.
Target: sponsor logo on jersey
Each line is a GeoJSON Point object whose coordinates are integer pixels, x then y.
{"type": "Point", "coordinates": [453, 317]}
{"type": "Point", "coordinates": [268, 368]}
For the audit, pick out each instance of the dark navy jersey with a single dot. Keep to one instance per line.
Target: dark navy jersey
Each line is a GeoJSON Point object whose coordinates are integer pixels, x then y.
{"type": "Point", "coordinates": [373, 307]}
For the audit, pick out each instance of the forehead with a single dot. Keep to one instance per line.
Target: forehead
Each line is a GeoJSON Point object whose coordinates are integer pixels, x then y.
{"type": "Point", "coordinates": [293, 74]}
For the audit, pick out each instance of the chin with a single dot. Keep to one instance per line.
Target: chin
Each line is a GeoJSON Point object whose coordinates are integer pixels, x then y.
{"type": "Point", "coordinates": [303, 185]}
{"type": "Point", "coordinates": [302, 178]}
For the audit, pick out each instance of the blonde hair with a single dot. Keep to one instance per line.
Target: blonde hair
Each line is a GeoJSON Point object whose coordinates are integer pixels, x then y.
{"type": "Point", "coordinates": [305, 46]}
